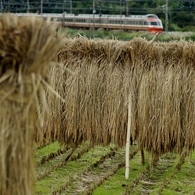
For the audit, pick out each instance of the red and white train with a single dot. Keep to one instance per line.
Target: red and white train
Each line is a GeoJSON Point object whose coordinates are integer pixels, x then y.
{"type": "Point", "coordinates": [149, 22]}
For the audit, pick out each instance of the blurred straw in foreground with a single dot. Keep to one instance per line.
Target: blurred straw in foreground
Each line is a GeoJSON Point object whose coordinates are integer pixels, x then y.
{"type": "Point", "coordinates": [27, 45]}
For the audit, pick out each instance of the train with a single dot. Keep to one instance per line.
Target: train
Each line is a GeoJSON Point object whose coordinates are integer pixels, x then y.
{"type": "Point", "coordinates": [148, 22]}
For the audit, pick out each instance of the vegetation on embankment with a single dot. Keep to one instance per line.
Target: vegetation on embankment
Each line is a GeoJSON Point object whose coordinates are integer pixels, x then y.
{"type": "Point", "coordinates": [126, 36]}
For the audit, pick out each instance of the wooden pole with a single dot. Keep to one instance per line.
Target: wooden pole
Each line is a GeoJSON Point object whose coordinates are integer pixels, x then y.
{"type": "Point", "coordinates": [70, 6]}
{"type": "Point", "coordinates": [93, 14]}
{"type": "Point", "coordinates": [166, 15]}
{"type": "Point", "coordinates": [41, 7]}
{"type": "Point", "coordinates": [1, 6]}
{"type": "Point", "coordinates": [28, 6]}
{"type": "Point", "coordinates": [128, 138]}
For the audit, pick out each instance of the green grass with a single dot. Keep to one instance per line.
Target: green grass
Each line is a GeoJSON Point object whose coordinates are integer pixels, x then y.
{"type": "Point", "coordinates": [53, 147]}
{"type": "Point", "coordinates": [58, 177]}
{"type": "Point", "coordinates": [169, 192]}
{"type": "Point", "coordinates": [182, 182]}
{"type": "Point", "coordinates": [127, 36]}
{"type": "Point", "coordinates": [112, 186]}
{"type": "Point", "coordinates": [117, 183]}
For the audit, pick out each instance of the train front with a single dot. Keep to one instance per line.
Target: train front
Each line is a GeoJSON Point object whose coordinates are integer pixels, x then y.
{"type": "Point", "coordinates": [154, 23]}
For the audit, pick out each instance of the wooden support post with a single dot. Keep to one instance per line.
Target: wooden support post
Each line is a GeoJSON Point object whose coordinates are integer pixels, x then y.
{"type": "Point", "coordinates": [128, 138]}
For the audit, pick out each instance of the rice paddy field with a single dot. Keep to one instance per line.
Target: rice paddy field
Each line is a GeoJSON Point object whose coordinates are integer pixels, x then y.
{"type": "Point", "coordinates": [101, 170]}
{"type": "Point", "coordinates": [67, 103]}
{"type": "Point", "coordinates": [99, 76]}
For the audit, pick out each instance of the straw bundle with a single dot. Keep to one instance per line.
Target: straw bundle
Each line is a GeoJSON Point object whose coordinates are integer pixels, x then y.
{"type": "Point", "coordinates": [160, 78]}
{"type": "Point", "coordinates": [27, 45]}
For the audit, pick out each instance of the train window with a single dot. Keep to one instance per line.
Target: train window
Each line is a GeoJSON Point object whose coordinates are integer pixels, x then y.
{"type": "Point", "coordinates": [133, 22]}
{"type": "Point", "coordinates": [145, 23]}
{"type": "Point", "coordinates": [111, 21]}
{"type": "Point", "coordinates": [80, 20]}
{"type": "Point", "coordinates": [68, 20]}
{"type": "Point", "coordinates": [118, 22]}
{"type": "Point", "coordinates": [97, 21]}
{"type": "Point", "coordinates": [152, 16]}
{"type": "Point", "coordinates": [154, 23]}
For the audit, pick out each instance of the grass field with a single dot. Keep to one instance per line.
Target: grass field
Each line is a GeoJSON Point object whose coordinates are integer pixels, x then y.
{"type": "Point", "coordinates": [126, 36]}
{"type": "Point", "coordinates": [101, 171]}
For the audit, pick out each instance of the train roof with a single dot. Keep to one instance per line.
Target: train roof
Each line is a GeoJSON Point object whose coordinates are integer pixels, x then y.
{"type": "Point", "coordinates": [88, 15]}
{"type": "Point", "coordinates": [116, 16]}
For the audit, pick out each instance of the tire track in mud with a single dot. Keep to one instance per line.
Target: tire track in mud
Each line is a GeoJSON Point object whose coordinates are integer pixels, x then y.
{"type": "Point", "coordinates": [59, 159]}
{"type": "Point", "coordinates": [176, 169]}
{"type": "Point", "coordinates": [53, 155]}
{"type": "Point", "coordinates": [154, 179]}
{"type": "Point", "coordinates": [93, 176]}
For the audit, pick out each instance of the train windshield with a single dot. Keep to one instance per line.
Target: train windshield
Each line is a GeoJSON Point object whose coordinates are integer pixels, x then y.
{"type": "Point", "coordinates": [155, 23]}
{"type": "Point", "coordinates": [151, 16]}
